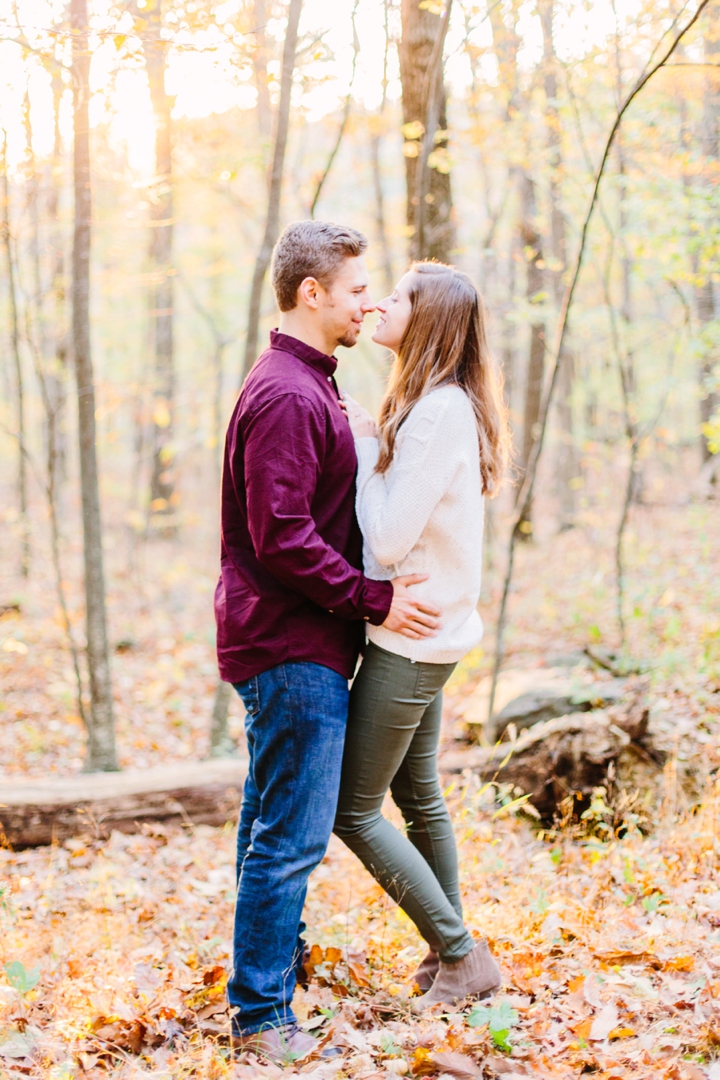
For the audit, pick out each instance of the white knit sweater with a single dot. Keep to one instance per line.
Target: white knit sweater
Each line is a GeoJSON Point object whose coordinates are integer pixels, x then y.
{"type": "Point", "coordinates": [425, 516]}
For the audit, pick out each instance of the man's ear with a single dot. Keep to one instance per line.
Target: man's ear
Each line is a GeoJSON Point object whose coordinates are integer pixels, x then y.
{"type": "Point", "coordinates": [309, 292]}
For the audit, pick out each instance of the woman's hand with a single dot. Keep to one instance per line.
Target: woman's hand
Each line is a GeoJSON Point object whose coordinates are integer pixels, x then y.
{"type": "Point", "coordinates": [361, 422]}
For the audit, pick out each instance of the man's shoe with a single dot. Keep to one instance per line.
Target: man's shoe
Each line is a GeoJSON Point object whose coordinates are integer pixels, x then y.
{"type": "Point", "coordinates": [282, 1046]}
{"type": "Point", "coordinates": [477, 975]}
{"type": "Point", "coordinates": [424, 977]}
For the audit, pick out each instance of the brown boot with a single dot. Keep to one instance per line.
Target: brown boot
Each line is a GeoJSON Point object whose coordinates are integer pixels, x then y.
{"type": "Point", "coordinates": [477, 975]}
{"type": "Point", "coordinates": [424, 977]}
{"type": "Point", "coordinates": [282, 1046]}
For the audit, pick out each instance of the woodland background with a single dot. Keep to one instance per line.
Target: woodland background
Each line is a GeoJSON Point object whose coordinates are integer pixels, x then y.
{"type": "Point", "coordinates": [566, 154]}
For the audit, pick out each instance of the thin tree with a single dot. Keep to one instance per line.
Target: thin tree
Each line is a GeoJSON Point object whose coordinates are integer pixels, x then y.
{"type": "Point", "coordinates": [375, 143]}
{"type": "Point", "coordinates": [17, 362]}
{"type": "Point", "coordinates": [272, 216]}
{"type": "Point", "coordinates": [528, 486]}
{"type": "Point", "coordinates": [101, 753]}
{"type": "Point", "coordinates": [57, 370]}
{"type": "Point", "coordinates": [705, 301]}
{"type": "Point", "coordinates": [532, 241]}
{"type": "Point", "coordinates": [260, 69]}
{"type": "Point", "coordinates": [162, 480]}
{"type": "Point", "coordinates": [429, 218]}
{"type": "Point", "coordinates": [345, 116]}
{"type": "Point", "coordinates": [567, 463]}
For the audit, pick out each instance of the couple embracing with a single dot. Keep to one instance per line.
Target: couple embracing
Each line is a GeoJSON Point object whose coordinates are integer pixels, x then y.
{"type": "Point", "coordinates": [341, 538]}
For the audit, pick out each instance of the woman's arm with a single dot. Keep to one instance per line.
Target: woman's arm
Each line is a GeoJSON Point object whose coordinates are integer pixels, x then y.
{"type": "Point", "coordinates": [394, 508]}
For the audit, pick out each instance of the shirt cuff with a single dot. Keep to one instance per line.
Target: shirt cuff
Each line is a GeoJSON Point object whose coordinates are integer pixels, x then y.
{"type": "Point", "coordinates": [368, 452]}
{"type": "Point", "coordinates": [378, 598]}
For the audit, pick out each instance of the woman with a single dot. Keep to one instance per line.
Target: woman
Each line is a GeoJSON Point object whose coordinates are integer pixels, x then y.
{"type": "Point", "coordinates": [441, 446]}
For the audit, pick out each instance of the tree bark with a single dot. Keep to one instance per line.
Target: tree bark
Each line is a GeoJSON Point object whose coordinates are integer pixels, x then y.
{"type": "Point", "coordinates": [57, 369]}
{"type": "Point", "coordinates": [567, 462]}
{"type": "Point", "coordinates": [429, 213]}
{"type": "Point", "coordinates": [101, 754]}
{"type": "Point", "coordinates": [163, 497]}
{"type": "Point", "coordinates": [705, 300]}
{"type": "Point", "coordinates": [260, 70]}
{"type": "Point", "coordinates": [272, 217]}
{"type": "Point", "coordinates": [17, 362]}
{"type": "Point", "coordinates": [375, 157]}
{"type": "Point", "coordinates": [221, 744]}
{"type": "Point", "coordinates": [532, 243]}
{"type": "Point", "coordinates": [39, 812]}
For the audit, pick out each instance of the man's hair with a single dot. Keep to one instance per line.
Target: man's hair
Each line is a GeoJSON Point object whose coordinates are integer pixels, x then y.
{"type": "Point", "coordinates": [313, 249]}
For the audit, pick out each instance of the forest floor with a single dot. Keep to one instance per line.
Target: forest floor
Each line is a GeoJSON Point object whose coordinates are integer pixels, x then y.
{"type": "Point", "coordinates": [114, 955]}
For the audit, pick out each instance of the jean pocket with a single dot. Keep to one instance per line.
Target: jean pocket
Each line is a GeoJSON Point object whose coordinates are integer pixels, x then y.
{"type": "Point", "coordinates": [249, 692]}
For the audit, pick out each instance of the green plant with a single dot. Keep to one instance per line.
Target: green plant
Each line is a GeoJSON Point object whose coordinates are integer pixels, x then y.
{"type": "Point", "coordinates": [499, 1019]}
{"type": "Point", "coordinates": [20, 978]}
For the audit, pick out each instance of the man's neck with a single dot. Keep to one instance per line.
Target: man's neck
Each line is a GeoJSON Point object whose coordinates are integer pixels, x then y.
{"type": "Point", "coordinates": [294, 325]}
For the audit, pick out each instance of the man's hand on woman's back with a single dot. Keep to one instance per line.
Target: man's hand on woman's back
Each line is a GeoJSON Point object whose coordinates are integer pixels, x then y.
{"type": "Point", "coordinates": [409, 616]}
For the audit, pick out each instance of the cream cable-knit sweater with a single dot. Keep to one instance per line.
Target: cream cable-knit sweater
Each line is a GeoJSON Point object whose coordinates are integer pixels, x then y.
{"type": "Point", "coordinates": [425, 516]}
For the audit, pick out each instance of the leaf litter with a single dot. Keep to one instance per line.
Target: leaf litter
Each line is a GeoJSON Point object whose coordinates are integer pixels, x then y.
{"type": "Point", "coordinates": [114, 955]}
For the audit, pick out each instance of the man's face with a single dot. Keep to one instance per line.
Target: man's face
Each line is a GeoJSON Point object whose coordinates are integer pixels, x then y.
{"type": "Point", "coordinates": [346, 302]}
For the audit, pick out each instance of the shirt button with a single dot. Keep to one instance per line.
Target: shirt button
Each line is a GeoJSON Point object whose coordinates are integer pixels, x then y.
{"type": "Point", "coordinates": [331, 611]}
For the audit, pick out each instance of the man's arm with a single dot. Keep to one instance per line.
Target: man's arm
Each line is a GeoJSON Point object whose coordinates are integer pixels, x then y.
{"type": "Point", "coordinates": [284, 446]}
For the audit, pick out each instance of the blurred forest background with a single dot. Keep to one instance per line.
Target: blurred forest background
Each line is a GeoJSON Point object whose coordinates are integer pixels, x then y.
{"type": "Point", "coordinates": [565, 153]}
{"type": "Point", "coordinates": [134, 260]}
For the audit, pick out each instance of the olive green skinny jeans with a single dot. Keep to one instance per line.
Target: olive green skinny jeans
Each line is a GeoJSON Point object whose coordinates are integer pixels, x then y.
{"type": "Point", "coordinates": [391, 742]}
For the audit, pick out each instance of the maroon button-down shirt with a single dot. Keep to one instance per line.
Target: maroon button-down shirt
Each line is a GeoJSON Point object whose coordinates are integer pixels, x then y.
{"type": "Point", "coordinates": [291, 585]}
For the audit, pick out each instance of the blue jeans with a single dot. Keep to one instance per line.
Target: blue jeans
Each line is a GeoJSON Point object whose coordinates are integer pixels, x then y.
{"type": "Point", "coordinates": [295, 725]}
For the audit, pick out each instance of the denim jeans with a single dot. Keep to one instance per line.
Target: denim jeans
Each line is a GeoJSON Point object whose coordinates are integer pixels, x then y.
{"type": "Point", "coordinates": [295, 724]}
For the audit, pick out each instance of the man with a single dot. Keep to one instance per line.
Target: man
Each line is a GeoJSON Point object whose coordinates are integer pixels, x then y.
{"type": "Point", "coordinates": [290, 605]}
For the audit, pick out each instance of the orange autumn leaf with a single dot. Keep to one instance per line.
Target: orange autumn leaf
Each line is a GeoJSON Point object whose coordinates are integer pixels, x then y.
{"type": "Point", "coordinates": [421, 1062]}
{"type": "Point", "coordinates": [621, 1033]}
{"type": "Point", "coordinates": [679, 963]}
{"type": "Point", "coordinates": [582, 1030]}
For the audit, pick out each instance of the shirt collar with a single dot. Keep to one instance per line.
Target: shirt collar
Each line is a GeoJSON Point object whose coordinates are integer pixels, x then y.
{"type": "Point", "coordinates": [313, 357]}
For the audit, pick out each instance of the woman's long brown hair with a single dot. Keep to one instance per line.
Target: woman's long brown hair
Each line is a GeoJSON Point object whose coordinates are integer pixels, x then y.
{"type": "Point", "coordinates": [445, 344]}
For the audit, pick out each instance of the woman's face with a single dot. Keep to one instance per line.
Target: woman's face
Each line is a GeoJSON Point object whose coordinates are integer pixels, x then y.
{"type": "Point", "coordinates": [395, 313]}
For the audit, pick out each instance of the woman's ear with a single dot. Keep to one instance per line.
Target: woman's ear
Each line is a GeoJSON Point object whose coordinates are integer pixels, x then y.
{"type": "Point", "coordinates": [309, 292]}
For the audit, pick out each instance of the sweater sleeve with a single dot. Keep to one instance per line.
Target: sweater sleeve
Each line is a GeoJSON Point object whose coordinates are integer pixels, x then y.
{"type": "Point", "coordinates": [394, 508]}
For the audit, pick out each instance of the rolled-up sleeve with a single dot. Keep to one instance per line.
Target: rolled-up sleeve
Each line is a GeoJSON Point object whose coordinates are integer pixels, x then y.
{"type": "Point", "coordinates": [284, 449]}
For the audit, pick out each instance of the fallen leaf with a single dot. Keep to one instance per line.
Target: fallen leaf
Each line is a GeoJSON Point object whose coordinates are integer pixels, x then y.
{"type": "Point", "coordinates": [679, 963]}
{"type": "Point", "coordinates": [582, 1030]}
{"type": "Point", "coordinates": [604, 1023]}
{"type": "Point", "coordinates": [455, 1064]}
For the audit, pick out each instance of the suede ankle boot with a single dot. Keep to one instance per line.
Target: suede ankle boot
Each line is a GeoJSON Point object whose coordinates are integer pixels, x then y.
{"type": "Point", "coordinates": [424, 976]}
{"type": "Point", "coordinates": [477, 975]}
{"type": "Point", "coordinates": [282, 1046]}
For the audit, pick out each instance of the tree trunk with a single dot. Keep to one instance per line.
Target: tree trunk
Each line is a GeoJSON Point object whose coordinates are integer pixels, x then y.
{"type": "Point", "coordinates": [221, 744]}
{"type": "Point", "coordinates": [101, 755]}
{"type": "Point", "coordinates": [57, 368]}
{"type": "Point", "coordinates": [35, 813]}
{"type": "Point", "coordinates": [375, 157]}
{"type": "Point", "coordinates": [567, 463]}
{"type": "Point", "coordinates": [429, 213]}
{"type": "Point", "coordinates": [272, 218]}
{"type": "Point", "coordinates": [17, 361]}
{"type": "Point", "coordinates": [260, 70]}
{"type": "Point", "coordinates": [706, 304]}
{"type": "Point", "coordinates": [323, 177]}
{"type": "Point", "coordinates": [163, 497]}
{"type": "Point", "coordinates": [532, 243]}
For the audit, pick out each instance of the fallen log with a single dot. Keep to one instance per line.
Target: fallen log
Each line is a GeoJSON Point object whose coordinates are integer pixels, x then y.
{"type": "Point", "coordinates": [34, 812]}
{"type": "Point", "coordinates": [565, 755]}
